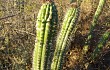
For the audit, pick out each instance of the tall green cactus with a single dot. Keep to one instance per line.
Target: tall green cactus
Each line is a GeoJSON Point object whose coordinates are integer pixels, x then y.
{"type": "Point", "coordinates": [46, 27]}
{"type": "Point", "coordinates": [64, 36]}
{"type": "Point", "coordinates": [100, 44]}
{"type": "Point", "coordinates": [94, 22]}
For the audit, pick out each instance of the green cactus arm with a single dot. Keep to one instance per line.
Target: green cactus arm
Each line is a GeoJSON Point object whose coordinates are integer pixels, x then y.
{"type": "Point", "coordinates": [100, 44]}
{"type": "Point", "coordinates": [66, 29]}
{"type": "Point", "coordinates": [42, 32]}
{"type": "Point", "coordinates": [94, 22]}
{"type": "Point", "coordinates": [60, 38]}
{"type": "Point", "coordinates": [46, 26]}
{"type": "Point", "coordinates": [38, 38]}
{"type": "Point", "coordinates": [66, 40]}
{"type": "Point", "coordinates": [49, 35]}
{"type": "Point", "coordinates": [53, 33]}
{"type": "Point", "coordinates": [45, 37]}
{"type": "Point", "coordinates": [97, 14]}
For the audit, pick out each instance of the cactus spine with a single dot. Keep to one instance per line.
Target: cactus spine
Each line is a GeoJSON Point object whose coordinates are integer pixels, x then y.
{"type": "Point", "coordinates": [46, 26]}
{"type": "Point", "coordinates": [63, 39]}
{"type": "Point", "coordinates": [94, 22]}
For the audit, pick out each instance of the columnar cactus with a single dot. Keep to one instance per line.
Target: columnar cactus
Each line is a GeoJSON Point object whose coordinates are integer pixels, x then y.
{"type": "Point", "coordinates": [64, 36]}
{"type": "Point", "coordinates": [100, 44]}
{"type": "Point", "coordinates": [45, 32]}
{"type": "Point", "coordinates": [94, 22]}
{"type": "Point", "coordinates": [46, 26]}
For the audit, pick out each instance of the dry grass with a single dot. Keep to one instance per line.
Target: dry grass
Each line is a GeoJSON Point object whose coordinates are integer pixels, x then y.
{"type": "Point", "coordinates": [17, 34]}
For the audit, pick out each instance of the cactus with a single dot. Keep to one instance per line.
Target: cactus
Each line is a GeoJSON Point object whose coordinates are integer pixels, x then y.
{"type": "Point", "coordinates": [63, 40]}
{"type": "Point", "coordinates": [94, 22]}
{"type": "Point", "coordinates": [46, 32]}
{"type": "Point", "coordinates": [100, 44]}
{"type": "Point", "coordinates": [46, 27]}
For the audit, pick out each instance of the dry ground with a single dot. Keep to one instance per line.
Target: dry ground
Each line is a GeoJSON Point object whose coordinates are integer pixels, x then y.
{"type": "Point", "coordinates": [17, 34]}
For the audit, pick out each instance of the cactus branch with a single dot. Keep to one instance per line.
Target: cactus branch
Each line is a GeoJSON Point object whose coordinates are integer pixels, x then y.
{"type": "Point", "coordinates": [100, 44]}
{"type": "Point", "coordinates": [94, 22]}
{"type": "Point", "coordinates": [45, 26]}
{"type": "Point", "coordinates": [63, 38]}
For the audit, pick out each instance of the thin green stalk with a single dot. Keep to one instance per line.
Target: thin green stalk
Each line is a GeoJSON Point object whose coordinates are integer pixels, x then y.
{"type": "Point", "coordinates": [94, 22]}
{"type": "Point", "coordinates": [38, 44]}
{"type": "Point", "coordinates": [100, 44]}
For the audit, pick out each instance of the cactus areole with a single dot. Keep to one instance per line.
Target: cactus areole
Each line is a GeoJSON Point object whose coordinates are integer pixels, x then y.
{"type": "Point", "coordinates": [45, 32]}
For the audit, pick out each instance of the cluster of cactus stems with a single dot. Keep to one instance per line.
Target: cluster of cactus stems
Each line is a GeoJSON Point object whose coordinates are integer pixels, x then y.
{"type": "Point", "coordinates": [46, 31]}
{"type": "Point", "coordinates": [93, 24]}
{"type": "Point", "coordinates": [46, 27]}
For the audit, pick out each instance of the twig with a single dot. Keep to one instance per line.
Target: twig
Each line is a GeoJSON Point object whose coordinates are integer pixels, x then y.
{"type": "Point", "coordinates": [25, 32]}
{"type": "Point", "coordinates": [9, 16]}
